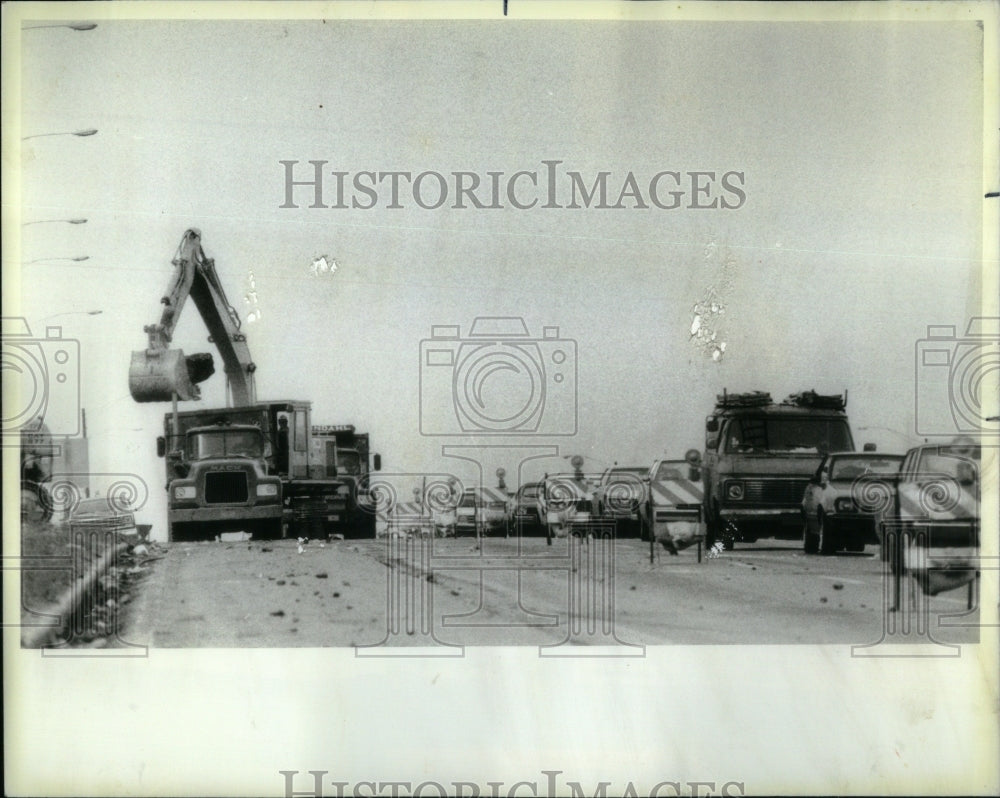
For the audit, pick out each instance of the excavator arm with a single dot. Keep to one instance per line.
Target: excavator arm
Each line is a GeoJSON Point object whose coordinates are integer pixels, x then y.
{"type": "Point", "coordinates": [159, 373]}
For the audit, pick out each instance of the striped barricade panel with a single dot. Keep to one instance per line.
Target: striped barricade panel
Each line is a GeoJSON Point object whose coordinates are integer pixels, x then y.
{"type": "Point", "coordinates": [677, 499]}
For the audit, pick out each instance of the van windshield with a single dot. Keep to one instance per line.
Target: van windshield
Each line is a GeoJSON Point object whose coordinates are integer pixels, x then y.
{"type": "Point", "coordinates": [803, 435]}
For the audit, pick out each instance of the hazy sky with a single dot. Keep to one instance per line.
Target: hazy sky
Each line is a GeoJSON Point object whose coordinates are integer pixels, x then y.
{"type": "Point", "coordinates": [860, 148]}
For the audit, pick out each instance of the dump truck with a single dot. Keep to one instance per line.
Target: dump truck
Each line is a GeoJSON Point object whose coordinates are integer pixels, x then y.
{"type": "Point", "coordinates": [255, 467]}
{"type": "Point", "coordinates": [759, 457]}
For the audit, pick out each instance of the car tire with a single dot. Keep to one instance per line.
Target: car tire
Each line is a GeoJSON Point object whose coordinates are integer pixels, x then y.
{"type": "Point", "coordinates": [826, 542]}
{"type": "Point", "coordinates": [810, 543]}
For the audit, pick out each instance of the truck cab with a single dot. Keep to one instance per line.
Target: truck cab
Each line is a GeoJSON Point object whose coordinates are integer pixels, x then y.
{"type": "Point", "coordinates": [319, 471]}
{"type": "Point", "coordinates": [759, 458]}
{"type": "Point", "coordinates": [222, 483]}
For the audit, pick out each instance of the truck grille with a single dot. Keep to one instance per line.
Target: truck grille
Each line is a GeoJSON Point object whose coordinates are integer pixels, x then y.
{"type": "Point", "coordinates": [226, 487]}
{"type": "Point", "coordinates": [775, 491]}
{"type": "Point", "coordinates": [317, 507]}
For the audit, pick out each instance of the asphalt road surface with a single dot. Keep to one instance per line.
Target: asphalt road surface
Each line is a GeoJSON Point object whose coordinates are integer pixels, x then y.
{"type": "Point", "coordinates": [382, 594]}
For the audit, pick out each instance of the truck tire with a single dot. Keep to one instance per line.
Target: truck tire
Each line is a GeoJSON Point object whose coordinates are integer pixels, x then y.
{"type": "Point", "coordinates": [712, 527]}
{"type": "Point", "coordinates": [268, 529]}
{"type": "Point", "coordinates": [729, 532]}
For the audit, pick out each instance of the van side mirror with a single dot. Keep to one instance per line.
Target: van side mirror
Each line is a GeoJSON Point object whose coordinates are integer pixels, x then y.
{"type": "Point", "coordinates": [869, 447]}
{"type": "Point", "coordinates": [378, 462]}
{"type": "Point", "coordinates": [711, 424]}
{"type": "Point", "coordinates": [161, 446]}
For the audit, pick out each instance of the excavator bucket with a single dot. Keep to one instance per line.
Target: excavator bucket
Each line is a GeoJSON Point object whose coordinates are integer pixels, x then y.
{"type": "Point", "coordinates": [155, 375]}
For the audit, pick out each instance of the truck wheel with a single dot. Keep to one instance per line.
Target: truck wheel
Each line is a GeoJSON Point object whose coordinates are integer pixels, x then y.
{"type": "Point", "coordinates": [826, 540]}
{"type": "Point", "coordinates": [268, 529]}
{"type": "Point", "coordinates": [729, 534]}
{"type": "Point", "coordinates": [713, 526]}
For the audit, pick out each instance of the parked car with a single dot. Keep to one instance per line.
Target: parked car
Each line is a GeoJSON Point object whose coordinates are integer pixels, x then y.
{"type": "Point", "coordinates": [482, 511]}
{"type": "Point", "coordinates": [619, 495]}
{"type": "Point", "coordinates": [102, 514]}
{"type": "Point", "coordinates": [526, 514]}
{"type": "Point", "coordinates": [567, 503]}
{"type": "Point", "coordinates": [845, 498]}
{"type": "Point", "coordinates": [937, 510]}
{"type": "Point", "coordinates": [492, 511]}
{"type": "Point", "coordinates": [465, 513]}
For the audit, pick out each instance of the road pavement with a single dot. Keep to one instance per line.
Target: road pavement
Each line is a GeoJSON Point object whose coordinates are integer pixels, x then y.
{"type": "Point", "coordinates": [380, 595]}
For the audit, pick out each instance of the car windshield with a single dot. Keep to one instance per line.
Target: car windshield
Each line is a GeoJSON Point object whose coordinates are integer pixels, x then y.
{"type": "Point", "coordinates": [625, 474]}
{"type": "Point", "coordinates": [854, 467]}
{"type": "Point", "coordinates": [671, 470]}
{"type": "Point", "coordinates": [468, 500]}
{"type": "Point", "coordinates": [951, 461]}
{"type": "Point", "coordinates": [561, 486]}
{"type": "Point", "coordinates": [529, 492]}
{"type": "Point", "coordinates": [805, 435]}
{"type": "Point", "coordinates": [225, 443]}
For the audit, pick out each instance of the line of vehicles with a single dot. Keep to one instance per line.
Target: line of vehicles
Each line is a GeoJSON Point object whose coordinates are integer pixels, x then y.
{"type": "Point", "coordinates": [769, 470]}
{"type": "Point", "coordinates": [784, 469]}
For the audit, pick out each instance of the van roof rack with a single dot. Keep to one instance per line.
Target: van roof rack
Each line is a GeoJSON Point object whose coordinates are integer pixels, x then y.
{"type": "Point", "coordinates": [817, 400]}
{"type": "Point", "coordinates": [727, 400]}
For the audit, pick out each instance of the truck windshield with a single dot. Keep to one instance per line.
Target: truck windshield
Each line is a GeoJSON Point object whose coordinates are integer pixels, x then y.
{"type": "Point", "coordinates": [348, 462]}
{"type": "Point", "coordinates": [225, 443]}
{"type": "Point", "coordinates": [805, 435]}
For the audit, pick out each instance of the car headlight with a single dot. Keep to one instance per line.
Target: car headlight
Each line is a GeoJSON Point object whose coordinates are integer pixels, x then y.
{"type": "Point", "coordinates": [267, 489]}
{"type": "Point", "coordinates": [845, 504]}
{"type": "Point", "coordinates": [734, 491]}
{"type": "Point", "coordinates": [185, 492]}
